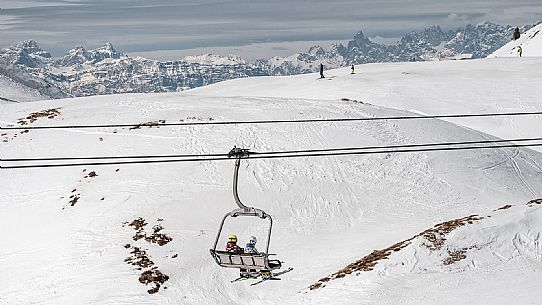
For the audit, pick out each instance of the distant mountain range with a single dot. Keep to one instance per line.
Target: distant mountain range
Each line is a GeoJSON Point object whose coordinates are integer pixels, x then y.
{"type": "Point", "coordinates": [104, 70]}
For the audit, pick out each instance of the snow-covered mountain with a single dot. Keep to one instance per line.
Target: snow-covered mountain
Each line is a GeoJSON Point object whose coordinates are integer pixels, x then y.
{"type": "Point", "coordinates": [456, 227]}
{"type": "Point", "coordinates": [105, 70]}
{"type": "Point", "coordinates": [530, 43]}
{"type": "Point", "coordinates": [430, 44]}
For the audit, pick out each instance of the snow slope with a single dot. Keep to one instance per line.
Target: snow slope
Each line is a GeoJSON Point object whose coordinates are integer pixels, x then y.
{"type": "Point", "coordinates": [452, 87]}
{"type": "Point", "coordinates": [12, 92]}
{"type": "Point", "coordinates": [328, 211]}
{"type": "Point", "coordinates": [530, 42]}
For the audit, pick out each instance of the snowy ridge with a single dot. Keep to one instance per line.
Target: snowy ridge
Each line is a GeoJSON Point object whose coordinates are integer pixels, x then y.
{"type": "Point", "coordinates": [213, 59]}
{"type": "Point", "coordinates": [458, 245]}
{"type": "Point", "coordinates": [80, 238]}
{"type": "Point", "coordinates": [13, 92]}
{"type": "Point", "coordinates": [530, 43]}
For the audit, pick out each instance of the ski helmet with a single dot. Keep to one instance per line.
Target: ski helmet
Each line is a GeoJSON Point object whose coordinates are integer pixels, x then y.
{"type": "Point", "coordinates": [232, 238]}
{"type": "Point", "coordinates": [252, 240]}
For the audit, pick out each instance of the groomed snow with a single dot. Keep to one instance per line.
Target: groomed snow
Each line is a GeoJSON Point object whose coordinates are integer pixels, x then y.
{"type": "Point", "coordinates": [328, 212]}
{"type": "Point", "coordinates": [451, 87]}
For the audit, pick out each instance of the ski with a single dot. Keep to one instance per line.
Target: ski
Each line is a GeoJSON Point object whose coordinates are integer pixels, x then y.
{"type": "Point", "coordinates": [264, 280]}
{"type": "Point", "coordinates": [243, 278]}
{"type": "Point", "coordinates": [282, 272]}
{"type": "Point", "coordinates": [273, 277]}
{"type": "Point", "coordinates": [240, 279]}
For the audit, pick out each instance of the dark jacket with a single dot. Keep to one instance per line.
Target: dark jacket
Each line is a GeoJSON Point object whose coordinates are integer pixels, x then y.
{"type": "Point", "coordinates": [516, 34]}
{"type": "Point", "coordinates": [233, 247]}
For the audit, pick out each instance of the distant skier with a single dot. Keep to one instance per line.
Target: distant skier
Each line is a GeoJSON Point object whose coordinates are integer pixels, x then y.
{"type": "Point", "coordinates": [516, 34]}
{"type": "Point", "coordinates": [232, 246]}
{"type": "Point", "coordinates": [353, 71]}
{"type": "Point", "coordinates": [322, 71]}
{"type": "Point", "coordinates": [520, 51]}
{"type": "Point", "coordinates": [251, 245]}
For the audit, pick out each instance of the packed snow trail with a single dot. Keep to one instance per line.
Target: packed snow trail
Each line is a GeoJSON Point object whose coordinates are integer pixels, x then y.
{"type": "Point", "coordinates": [433, 88]}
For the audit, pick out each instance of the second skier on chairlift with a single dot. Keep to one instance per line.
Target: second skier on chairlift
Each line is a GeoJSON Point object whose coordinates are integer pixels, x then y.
{"type": "Point", "coordinates": [251, 249]}
{"type": "Point", "coordinates": [251, 245]}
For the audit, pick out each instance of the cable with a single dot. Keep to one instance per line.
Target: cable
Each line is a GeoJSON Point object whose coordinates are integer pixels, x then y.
{"type": "Point", "coordinates": [270, 156]}
{"type": "Point", "coordinates": [270, 152]}
{"type": "Point", "coordinates": [8, 100]}
{"type": "Point", "coordinates": [275, 121]}
{"type": "Point", "coordinates": [109, 158]}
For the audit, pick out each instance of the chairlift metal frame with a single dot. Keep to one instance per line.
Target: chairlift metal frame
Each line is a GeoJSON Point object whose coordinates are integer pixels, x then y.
{"type": "Point", "coordinates": [251, 261]}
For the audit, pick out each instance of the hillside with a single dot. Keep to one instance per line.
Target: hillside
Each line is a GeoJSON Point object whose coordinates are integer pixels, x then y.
{"type": "Point", "coordinates": [494, 85]}
{"type": "Point", "coordinates": [75, 235]}
{"type": "Point", "coordinates": [530, 42]}
{"type": "Point", "coordinates": [13, 92]}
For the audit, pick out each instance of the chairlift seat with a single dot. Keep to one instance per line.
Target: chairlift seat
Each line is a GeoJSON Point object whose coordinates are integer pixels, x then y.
{"type": "Point", "coordinates": [255, 261]}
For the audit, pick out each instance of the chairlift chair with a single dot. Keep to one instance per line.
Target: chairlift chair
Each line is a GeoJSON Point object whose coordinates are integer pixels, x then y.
{"type": "Point", "coordinates": [249, 261]}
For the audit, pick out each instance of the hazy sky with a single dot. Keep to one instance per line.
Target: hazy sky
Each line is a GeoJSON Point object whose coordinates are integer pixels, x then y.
{"type": "Point", "coordinates": [143, 26]}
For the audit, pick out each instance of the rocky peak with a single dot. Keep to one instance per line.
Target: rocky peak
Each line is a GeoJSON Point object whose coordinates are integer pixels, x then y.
{"type": "Point", "coordinates": [107, 51]}
{"type": "Point", "coordinates": [317, 51]}
{"type": "Point", "coordinates": [30, 47]}
{"type": "Point", "coordinates": [73, 57]}
{"type": "Point", "coordinates": [26, 53]}
{"type": "Point", "coordinates": [431, 36]}
{"type": "Point", "coordinates": [359, 41]}
{"type": "Point", "coordinates": [79, 55]}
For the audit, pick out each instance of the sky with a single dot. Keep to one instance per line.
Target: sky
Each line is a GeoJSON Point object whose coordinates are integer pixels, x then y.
{"type": "Point", "coordinates": [165, 28]}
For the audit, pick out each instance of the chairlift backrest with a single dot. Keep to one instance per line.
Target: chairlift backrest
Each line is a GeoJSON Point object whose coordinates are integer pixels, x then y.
{"type": "Point", "coordinates": [241, 260]}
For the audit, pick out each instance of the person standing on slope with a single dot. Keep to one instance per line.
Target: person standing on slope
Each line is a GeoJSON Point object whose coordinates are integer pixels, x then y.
{"type": "Point", "coordinates": [520, 51]}
{"type": "Point", "coordinates": [516, 34]}
{"type": "Point", "coordinates": [322, 71]}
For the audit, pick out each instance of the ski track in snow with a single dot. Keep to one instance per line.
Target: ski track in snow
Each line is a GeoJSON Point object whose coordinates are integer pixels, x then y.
{"type": "Point", "coordinates": [510, 158]}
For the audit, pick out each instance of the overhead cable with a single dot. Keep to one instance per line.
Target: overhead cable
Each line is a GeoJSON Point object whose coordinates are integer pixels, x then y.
{"type": "Point", "coordinates": [324, 154]}
{"type": "Point", "coordinates": [270, 152]}
{"type": "Point", "coordinates": [152, 124]}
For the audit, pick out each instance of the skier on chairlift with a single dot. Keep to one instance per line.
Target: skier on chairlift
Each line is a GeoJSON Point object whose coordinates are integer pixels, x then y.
{"type": "Point", "coordinates": [251, 246]}
{"type": "Point", "coordinates": [232, 246]}
{"type": "Point", "coordinates": [251, 249]}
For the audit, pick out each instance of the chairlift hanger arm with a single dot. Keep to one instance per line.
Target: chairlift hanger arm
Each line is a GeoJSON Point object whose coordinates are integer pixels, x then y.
{"type": "Point", "coordinates": [238, 153]}
{"type": "Point", "coordinates": [243, 210]}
